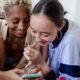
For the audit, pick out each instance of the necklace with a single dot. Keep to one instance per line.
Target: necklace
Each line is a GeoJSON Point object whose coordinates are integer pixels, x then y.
{"type": "Point", "coordinates": [13, 42]}
{"type": "Point", "coordinates": [14, 45]}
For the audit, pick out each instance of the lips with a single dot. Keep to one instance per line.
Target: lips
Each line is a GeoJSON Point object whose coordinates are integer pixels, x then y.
{"type": "Point", "coordinates": [43, 42]}
{"type": "Point", "coordinates": [21, 33]}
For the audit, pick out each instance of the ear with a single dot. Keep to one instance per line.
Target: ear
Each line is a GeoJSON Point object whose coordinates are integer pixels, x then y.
{"type": "Point", "coordinates": [5, 16]}
{"type": "Point", "coordinates": [61, 26]}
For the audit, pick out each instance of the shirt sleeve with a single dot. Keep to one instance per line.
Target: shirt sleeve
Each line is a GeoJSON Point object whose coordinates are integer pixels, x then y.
{"type": "Point", "coordinates": [70, 61]}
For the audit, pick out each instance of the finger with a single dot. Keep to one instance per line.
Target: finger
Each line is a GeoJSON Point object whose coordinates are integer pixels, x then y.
{"type": "Point", "coordinates": [32, 50]}
{"type": "Point", "coordinates": [35, 45]}
{"type": "Point", "coordinates": [41, 75]}
{"type": "Point", "coordinates": [30, 63]}
{"type": "Point", "coordinates": [38, 79]}
{"type": "Point", "coordinates": [36, 69]}
{"type": "Point", "coordinates": [18, 71]}
{"type": "Point", "coordinates": [26, 50]}
{"type": "Point", "coordinates": [26, 56]}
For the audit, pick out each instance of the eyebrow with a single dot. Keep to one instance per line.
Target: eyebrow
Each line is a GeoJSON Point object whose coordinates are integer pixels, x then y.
{"type": "Point", "coordinates": [16, 18]}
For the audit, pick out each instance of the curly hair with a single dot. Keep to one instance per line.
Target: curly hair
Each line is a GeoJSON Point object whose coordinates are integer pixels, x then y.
{"type": "Point", "coordinates": [10, 3]}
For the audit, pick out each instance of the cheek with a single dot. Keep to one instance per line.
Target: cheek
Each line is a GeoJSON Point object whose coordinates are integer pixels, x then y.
{"type": "Point", "coordinates": [50, 39]}
{"type": "Point", "coordinates": [12, 28]}
{"type": "Point", "coordinates": [11, 25]}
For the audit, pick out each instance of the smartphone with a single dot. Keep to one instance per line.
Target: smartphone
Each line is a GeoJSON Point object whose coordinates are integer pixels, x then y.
{"type": "Point", "coordinates": [30, 76]}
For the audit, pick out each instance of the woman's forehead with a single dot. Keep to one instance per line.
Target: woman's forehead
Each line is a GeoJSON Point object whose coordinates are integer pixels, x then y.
{"type": "Point", "coordinates": [18, 10]}
{"type": "Point", "coordinates": [40, 20]}
{"type": "Point", "coordinates": [18, 7]}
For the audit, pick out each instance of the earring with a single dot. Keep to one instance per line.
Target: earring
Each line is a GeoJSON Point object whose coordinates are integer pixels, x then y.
{"type": "Point", "coordinates": [59, 35]}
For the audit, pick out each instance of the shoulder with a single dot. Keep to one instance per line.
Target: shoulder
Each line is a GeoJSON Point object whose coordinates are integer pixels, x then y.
{"type": "Point", "coordinates": [3, 29]}
{"type": "Point", "coordinates": [70, 45]}
{"type": "Point", "coordinates": [71, 52]}
{"type": "Point", "coordinates": [72, 35]}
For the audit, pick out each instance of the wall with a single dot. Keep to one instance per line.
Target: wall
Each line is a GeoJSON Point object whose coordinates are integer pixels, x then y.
{"type": "Point", "coordinates": [34, 2]}
{"type": "Point", "coordinates": [72, 8]}
{"type": "Point", "coordinates": [77, 14]}
{"type": "Point", "coordinates": [1, 3]}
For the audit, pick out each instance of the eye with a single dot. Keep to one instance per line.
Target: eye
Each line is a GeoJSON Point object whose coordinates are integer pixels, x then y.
{"type": "Point", "coordinates": [15, 21]}
{"type": "Point", "coordinates": [46, 34]}
{"type": "Point", "coordinates": [33, 31]}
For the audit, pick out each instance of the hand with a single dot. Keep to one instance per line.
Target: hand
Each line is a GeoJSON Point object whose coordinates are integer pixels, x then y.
{"type": "Point", "coordinates": [12, 74]}
{"type": "Point", "coordinates": [32, 54]}
{"type": "Point", "coordinates": [37, 70]}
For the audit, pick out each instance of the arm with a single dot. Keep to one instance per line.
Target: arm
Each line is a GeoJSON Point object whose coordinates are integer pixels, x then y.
{"type": "Point", "coordinates": [70, 61]}
{"type": "Point", "coordinates": [2, 53]}
{"type": "Point", "coordinates": [44, 52]}
{"type": "Point", "coordinates": [11, 75]}
{"type": "Point", "coordinates": [37, 59]}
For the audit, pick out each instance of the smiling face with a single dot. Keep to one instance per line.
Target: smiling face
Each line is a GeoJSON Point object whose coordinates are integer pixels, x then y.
{"type": "Point", "coordinates": [18, 20]}
{"type": "Point", "coordinates": [43, 29]}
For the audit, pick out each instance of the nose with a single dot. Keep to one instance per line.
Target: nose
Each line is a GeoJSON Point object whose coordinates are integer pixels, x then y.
{"type": "Point", "coordinates": [21, 25]}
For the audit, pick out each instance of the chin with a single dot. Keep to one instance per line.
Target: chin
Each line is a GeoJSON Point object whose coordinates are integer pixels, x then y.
{"type": "Point", "coordinates": [43, 44]}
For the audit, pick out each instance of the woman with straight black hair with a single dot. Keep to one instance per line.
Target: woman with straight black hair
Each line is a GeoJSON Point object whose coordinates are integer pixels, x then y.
{"type": "Point", "coordinates": [50, 28]}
